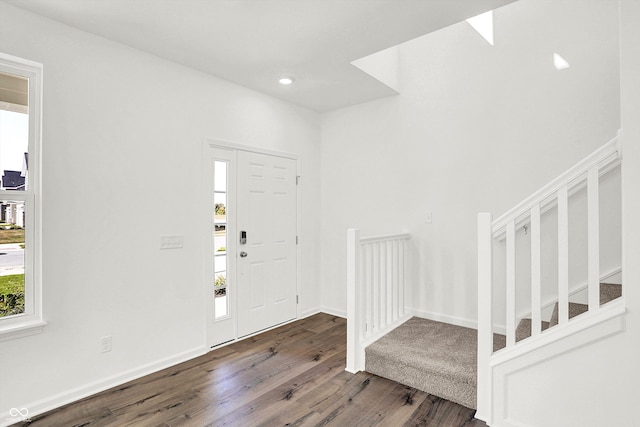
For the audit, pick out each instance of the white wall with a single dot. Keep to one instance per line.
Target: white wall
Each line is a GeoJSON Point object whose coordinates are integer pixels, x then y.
{"type": "Point", "coordinates": [475, 128]}
{"type": "Point", "coordinates": [596, 385]}
{"type": "Point", "coordinates": [123, 132]}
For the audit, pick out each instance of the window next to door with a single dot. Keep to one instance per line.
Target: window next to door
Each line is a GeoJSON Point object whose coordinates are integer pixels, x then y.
{"type": "Point", "coordinates": [221, 299]}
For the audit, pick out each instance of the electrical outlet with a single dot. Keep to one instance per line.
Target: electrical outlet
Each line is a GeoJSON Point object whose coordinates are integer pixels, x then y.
{"type": "Point", "coordinates": [105, 344]}
{"type": "Point", "coordinates": [171, 242]}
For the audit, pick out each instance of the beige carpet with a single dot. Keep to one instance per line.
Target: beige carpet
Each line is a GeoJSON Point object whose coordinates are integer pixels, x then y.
{"type": "Point", "coordinates": [435, 357]}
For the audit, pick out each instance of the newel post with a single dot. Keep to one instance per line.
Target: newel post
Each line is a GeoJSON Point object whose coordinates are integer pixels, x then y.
{"type": "Point", "coordinates": [353, 303]}
{"type": "Point", "coordinates": [485, 330]}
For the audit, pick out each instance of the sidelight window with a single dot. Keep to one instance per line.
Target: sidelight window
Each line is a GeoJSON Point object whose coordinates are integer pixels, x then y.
{"type": "Point", "coordinates": [221, 287]}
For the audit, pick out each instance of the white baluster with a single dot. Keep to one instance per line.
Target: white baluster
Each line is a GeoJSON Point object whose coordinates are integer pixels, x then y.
{"type": "Point", "coordinates": [394, 279]}
{"type": "Point", "coordinates": [593, 238]}
{"type": "Point", "coordinates": [563, 255]}
{"type": "Point", "coordinates": [375, 291]}
{"type": "Point", "coordinates": [485, 309]}
{"type": "Point", "coordinates": [511, 284]}
{"type": "Point", "coordinates": [383, 284]}
{"type": "Point", "coordinates": [389, 282]}
{"type": "Point", "coordinates": [401, 271]}
{"type": "Point", "coordinates": [536, 316]}
{"type": "Point", "coordinates": [364, 280]}
{"type": "Point", "coordinates": [353, 309]}
{"type": "Point", "coordinates": [369, 288]}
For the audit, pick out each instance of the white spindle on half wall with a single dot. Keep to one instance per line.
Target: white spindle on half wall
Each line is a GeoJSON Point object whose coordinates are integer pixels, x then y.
{"type": "Point", "coordinates": [377, 277]}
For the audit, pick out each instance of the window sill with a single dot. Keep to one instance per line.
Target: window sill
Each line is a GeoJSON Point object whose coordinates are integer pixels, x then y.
{"type": "Point", "coordinates": [22, 330]}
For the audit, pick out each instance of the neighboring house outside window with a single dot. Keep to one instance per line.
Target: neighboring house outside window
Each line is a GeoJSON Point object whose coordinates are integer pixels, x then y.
{"type": "Point", "coordinates": [13, 213]}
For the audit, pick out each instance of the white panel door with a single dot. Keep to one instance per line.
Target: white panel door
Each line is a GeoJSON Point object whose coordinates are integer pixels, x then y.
{"type": "Point", "coordinates": [266, 260]}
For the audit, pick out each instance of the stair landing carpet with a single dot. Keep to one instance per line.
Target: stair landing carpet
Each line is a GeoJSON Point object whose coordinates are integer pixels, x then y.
{"type": "Point", "coordinates": [434, 357]}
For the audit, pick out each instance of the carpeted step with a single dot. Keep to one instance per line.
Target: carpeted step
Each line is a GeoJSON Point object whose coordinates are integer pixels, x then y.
{"type": "Point", "coordinates": [524, 329]}
{"type": "Point", "coordinates": [574, 310]}
{"type": "Point", "coordinates": [499, 342]}
{"type": "Point", "coordinates": [434, 357]}
{"type": "Point", "coordinates": [608, 292]}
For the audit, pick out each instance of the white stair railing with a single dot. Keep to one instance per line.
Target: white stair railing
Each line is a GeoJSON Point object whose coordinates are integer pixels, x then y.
{"type": "Point", "coordinates": [528, 213]}
{"type": "Point", "coordinates": [376, 290]}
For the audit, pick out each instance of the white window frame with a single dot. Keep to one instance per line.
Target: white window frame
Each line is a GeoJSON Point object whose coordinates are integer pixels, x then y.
{"type": "Point", "coordinates": [31, 321]}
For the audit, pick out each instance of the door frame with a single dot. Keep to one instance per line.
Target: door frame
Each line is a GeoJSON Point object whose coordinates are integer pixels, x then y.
{"type": "Point", "coordinates": [208, 145]}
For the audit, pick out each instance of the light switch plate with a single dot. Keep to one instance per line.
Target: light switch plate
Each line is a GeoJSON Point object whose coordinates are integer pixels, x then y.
{"type": "Point", "coordinates": [171, 242]}
{"type": "Point", "coordinates": [105, 344]}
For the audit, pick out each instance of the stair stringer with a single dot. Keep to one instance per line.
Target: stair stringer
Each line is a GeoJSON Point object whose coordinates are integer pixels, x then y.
{"type": "Point", "coordinates": [579, 332]}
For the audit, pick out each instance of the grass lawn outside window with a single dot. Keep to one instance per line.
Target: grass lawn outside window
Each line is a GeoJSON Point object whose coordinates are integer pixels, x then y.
{"type": "Point", "coordinates": [11, 294]}
{"type": "Point", "coordinates": [11, 286]}
{"type": "Point", "coordinates": [11, 235]}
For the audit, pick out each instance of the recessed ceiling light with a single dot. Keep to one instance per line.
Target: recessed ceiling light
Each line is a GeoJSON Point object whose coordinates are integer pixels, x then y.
{"type": "Point", "coordinates": [286, 80]}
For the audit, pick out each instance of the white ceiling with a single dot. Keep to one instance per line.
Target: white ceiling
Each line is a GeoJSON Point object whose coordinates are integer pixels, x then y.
{"type": "Point", "coordinates": [252, 42]}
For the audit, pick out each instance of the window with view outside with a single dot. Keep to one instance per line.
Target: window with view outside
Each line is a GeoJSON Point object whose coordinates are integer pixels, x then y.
{"type": "Point", "coordinates": [14, 167]}
{"type": "Point", "coordinates": [221, 297]}
{"type": "Point", "coordinates": [20, 197]}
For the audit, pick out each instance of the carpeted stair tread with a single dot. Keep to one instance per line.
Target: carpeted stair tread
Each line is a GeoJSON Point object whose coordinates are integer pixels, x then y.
{"type": "Point", "coordinates": [434, 357]}
{"type": "Point", "coordinates": [608, 292]}
{"type": "Point", "coordinates": [524, 328]}
{"type": "Point", "coordinates": [574, 310]}
{"type": "Point", "coordinates": [499, 342]}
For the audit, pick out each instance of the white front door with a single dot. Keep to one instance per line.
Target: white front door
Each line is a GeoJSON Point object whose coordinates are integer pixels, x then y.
{"type": "Point", "coordinates": [266, 255]}
{"type": "Point", "coordinates": [250, 283]}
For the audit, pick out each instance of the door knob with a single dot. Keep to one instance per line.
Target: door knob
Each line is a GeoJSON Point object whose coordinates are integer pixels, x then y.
{"type": "Point", "coordinates": [243, 254]}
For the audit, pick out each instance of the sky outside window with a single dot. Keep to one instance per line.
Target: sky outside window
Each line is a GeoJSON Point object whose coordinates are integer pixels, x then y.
{"type": "Point", "coordinates": [14, 139]}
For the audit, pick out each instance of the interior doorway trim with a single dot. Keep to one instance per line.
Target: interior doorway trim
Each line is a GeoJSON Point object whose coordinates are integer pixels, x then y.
{"type": "Point", "coordinates": [242, 147]}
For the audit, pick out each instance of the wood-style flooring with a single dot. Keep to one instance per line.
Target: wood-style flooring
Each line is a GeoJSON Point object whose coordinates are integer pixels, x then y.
{"type": "Point", "coordinates": [290, 376]}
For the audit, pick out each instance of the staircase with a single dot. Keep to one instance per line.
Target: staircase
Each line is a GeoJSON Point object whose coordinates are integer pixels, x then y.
{"type": "Point", "coordinates": [470, 367]}
{"type": "Point", "coordinates": [553, 217]}
{"type": "Point", "coordinates": [441, 359]}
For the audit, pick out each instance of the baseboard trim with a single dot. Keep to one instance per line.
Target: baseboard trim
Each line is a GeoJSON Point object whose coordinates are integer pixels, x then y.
{"type": "Point", "coordinates": [445, 318]}
{"type": "Point", "coordinates": [309, 313]}
{"type": "Point", "coordinates": [333, 312]}
{"type": "Point", "coordinates": [324, 310]}
{"type": "Point", "coordinates": [73, 395]}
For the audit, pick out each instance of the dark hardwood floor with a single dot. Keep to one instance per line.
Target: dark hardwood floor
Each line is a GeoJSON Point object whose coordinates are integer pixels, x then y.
{"type": "Point", "coordinates": [290, 376]}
